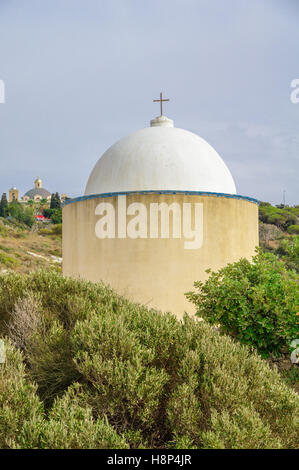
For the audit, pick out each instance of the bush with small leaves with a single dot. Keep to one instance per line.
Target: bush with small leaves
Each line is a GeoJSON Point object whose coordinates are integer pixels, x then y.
{"type": "Point", "coordinates": [71, 425]}
{"type": "Point", "coordinates": [111, 373]}
{"type": "Point", "coordinates": [243, 428]}
{"type": "Point", "coordinates": [255, 302]}
{"type": "Point", "coordinates": [289, 251]}
{"type": "Point", "coordinates": [21, 411]}
{"type": "Point", "coordinates": [293, 229]}
{"type": "Point", "coordinates": [124, 384]}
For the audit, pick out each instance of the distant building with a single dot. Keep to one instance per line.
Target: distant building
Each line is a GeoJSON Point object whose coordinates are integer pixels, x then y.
{"type": "Point", "coordinates": [13, 195]}
{"type": "Point", "coordinates": [35, 194]}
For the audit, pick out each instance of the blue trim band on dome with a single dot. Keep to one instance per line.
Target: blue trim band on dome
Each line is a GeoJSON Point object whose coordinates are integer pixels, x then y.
{"type": "Point", "coordinates": [192, 193]}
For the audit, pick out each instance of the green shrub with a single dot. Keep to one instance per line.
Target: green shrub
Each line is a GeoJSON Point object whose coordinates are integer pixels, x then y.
{"type": "Point", "coordinates": [20, 234]}
{"type": "Point", "coordinates": [289, 251]}
{"type": "Point", "coordinates": [281, 216]}
{"type": "Point", "coordinates": [55, 230]}
{"type": "Point", "coordinates": [111, 373]}
{"type": "Point", "coordinates": [125, 384]}
{"type": "Point", "coordinates": [254, 302]}
{"type": "Point", "coordinates": [72, 426]}
{"type": "Point", "coordinates": [3, 231]}
{"type": "Point", "coordinates": [65, 298]}
{"type": "Point", "coordinates": [23, 423]}
{"type": "Point", "coordinates": [21, 411]}
{"type": "Point", "coordinates": [55, 214]}
{"type": "Point", "coordinates": [8, 260]}
{"type": "Point", "coordinates": [293, 229]}
{"type": "Point", "coordinates": [45, 231]}
{"type": "Point", "coordinates": [5, 248]}
{"type": "Point", "coordinates": [50, 359]}
{"type": "Point", "coordinates": [12, 286]}
{"type": "Point", "coordinates": [22, 213]}
{"type": "Point", "coordinates": [242, 428]}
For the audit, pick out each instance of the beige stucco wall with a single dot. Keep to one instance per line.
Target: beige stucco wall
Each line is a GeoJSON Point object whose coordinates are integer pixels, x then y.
{"type": "Point", "coordinates": [13, 195]}
{"type": "Point", "coordinates": [157, 272]}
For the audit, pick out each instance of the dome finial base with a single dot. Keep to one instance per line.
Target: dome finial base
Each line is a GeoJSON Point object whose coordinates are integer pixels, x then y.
{"type": "Point", "coordinates": [162, 121]}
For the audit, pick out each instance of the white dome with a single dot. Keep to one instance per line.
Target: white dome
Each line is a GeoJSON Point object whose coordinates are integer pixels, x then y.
{"type": "Point", "coordinates": [157, 158]}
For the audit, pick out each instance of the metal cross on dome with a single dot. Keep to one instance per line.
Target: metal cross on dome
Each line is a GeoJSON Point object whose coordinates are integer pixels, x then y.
{"type": "Point", "coordinates": [161, 102]}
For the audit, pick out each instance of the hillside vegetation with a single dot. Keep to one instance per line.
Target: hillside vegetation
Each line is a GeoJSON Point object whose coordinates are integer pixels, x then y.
{"type": "Point", "coordinates": [24, 249]}
{"type": "Point", "coordinates": [284, 217]}
{"type": "Point", "coordinates": [279, 232]}
{"type": "Point", "coordinates": [87, 368]}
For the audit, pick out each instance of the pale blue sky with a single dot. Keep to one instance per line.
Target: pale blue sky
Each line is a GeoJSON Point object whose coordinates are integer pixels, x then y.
{"type": "Point", "coordinates": [80, 74]}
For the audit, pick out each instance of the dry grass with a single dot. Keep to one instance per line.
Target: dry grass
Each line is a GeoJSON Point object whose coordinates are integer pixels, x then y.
{"type": "Point", "coordinates": [24, 320]}
{"type": "Point", "coordinates": [15, 244]}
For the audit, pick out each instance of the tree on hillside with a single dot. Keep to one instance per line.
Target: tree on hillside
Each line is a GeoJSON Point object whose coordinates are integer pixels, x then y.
{"type": "Point", "coordinates": [58, 200]}
{"type": "Point", "coordinates": [43, 204]}
{"type": "Point", "coordinates": [52, 203]}
{"type": "Point", "coordinates": [55, 201]}
{"type": "Point", "coordinates": [56, 216]}
{"type": "Point", "coordinates": [22, 213]}
{"type": "Point", "coordinates": [54, 212]}
{"type": "Point", "coordinates": [281, 216]}
{"type": "Point", "coordinates": [3, 206]}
